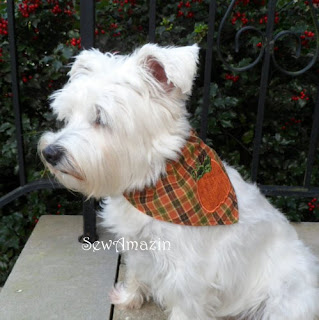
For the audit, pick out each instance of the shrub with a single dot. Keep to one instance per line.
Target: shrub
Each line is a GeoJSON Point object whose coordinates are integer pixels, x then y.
{"type": "Point", "coordinates": [48, 37]}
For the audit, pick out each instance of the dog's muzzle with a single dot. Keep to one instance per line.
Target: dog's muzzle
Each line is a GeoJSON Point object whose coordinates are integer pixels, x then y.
{"type": "Point", "coordinates": [52, 154]}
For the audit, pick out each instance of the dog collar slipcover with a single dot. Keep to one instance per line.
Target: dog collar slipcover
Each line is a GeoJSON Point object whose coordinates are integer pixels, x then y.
{"type": "Point", "coordinates": [196, 190]}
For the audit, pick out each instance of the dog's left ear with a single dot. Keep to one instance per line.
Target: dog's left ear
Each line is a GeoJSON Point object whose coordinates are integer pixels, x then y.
{"type": "Point", "coordinates": [172, 67]}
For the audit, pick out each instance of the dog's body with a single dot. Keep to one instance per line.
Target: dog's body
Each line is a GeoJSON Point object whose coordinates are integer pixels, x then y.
{"type": "Point", "coordinates": [125, 118]}
{"type": "Point", "coordinates": [257, 268]}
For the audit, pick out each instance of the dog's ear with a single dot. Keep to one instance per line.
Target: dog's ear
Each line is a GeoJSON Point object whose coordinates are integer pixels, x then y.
{"type": "Point", "coordinates": [172, 67]}
{"type": "Point", "coordinates": [88, 61]}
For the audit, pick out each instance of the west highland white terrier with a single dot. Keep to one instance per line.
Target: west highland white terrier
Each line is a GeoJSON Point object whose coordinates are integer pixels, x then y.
{"type": "Point", "coordinates": [128, 142]}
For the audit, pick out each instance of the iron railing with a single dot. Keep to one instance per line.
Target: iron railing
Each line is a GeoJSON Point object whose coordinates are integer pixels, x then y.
{"type": "Point", "coordinates": [266, 55]}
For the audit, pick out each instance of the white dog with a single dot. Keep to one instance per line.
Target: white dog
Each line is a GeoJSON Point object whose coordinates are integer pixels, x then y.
{"type": "Point", "coordinates": [125, 127]}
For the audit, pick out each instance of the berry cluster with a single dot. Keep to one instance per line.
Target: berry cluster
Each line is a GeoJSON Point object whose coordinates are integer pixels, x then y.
{"type": "Point", "coordinates": [100, 29]}
{"type": "Point", "coordinates": [3, 27]}
{"type": "Point", "coordinates": [289, 123]}
{"type": "Point", "coordinates": [264, 19]}
{"type": "Point", "coordinates": [113, 27]}
{"type": "Point", "coordinates": [313, 204]}
{"type": "Point", "coordinates": [309, 34]}
{"type": "Point", "coordinates": [231, 77]}
{"type": "Point", "coordinates": [184, 9]}
{"type": "Point", "coordinates": [306, 37]}
{"type": "Point", "coordinates": [302, 96]}
{"type": "Point", "coordinates": [68, 10]}
{"type": "Point", "coordinates": [123, 4]}
{"type": "Point", "coordinates": [28, 6]}
{"type": "Point", "coordinates": [182, 4]}
{"type": "Point", "coordinates": [239, 16]}
{"type": "Point", "coordinates": [75, 42]}
{"type": "Point", "coordinates": [59, 208]}
{"type": "Point", "coordinates": [116, 34]}
{"type": "Point", "coordinates": [56, 9]}
{"type": "Point", "coordinates": [25, 78]}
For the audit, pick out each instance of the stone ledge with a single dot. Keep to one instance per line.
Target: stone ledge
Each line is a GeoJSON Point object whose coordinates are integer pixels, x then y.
{"type": "Point", "coordinates": [309, 233]}
{"type": "Point", "coordinates": [54, 278]}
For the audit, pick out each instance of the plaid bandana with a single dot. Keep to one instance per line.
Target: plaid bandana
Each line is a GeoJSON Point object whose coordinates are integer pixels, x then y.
{"type": "Point", "coordinates": [196, 190]}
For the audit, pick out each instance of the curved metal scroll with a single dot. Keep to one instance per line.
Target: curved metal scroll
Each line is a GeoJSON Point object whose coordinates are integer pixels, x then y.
{"type": "Point", "coordinates": [268, 42]}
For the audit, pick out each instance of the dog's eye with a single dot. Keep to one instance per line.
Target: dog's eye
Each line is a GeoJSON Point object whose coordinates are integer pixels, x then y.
{"type": "Point", "coordinates": [100, 118]}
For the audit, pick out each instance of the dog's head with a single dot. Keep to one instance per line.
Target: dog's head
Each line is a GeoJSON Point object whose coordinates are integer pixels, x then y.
{"type": "Point", "coordinates": [124, 116]}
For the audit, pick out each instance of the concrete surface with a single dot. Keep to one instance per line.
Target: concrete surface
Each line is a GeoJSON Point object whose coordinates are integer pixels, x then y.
{"type": "Point", "coordinates": [54, 278]}
{"type": "Point", "coordinates": [148, 311]}
{"type": "Point", "coordinates": [309, 233]}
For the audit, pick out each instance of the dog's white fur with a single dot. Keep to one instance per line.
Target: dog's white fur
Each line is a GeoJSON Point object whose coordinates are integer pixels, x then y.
{"type": "Point", "coordinates": [125, 116]}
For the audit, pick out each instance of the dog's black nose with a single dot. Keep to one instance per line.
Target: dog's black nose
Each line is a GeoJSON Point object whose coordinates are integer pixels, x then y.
{"type": "Point", "coordinates": [52, 154]}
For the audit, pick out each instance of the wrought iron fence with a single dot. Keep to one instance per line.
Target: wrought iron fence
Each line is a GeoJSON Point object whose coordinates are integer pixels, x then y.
{"type": "Point", "coordinates": [266, 55]}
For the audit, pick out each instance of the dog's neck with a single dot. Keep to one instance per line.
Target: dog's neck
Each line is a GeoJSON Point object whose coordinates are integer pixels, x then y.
{"type": "Point", "coordinates": [166, 147]}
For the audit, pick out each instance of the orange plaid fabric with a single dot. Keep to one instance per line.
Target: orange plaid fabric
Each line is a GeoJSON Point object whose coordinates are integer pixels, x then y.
{"type": "Point", "coordinates": [196, 190]}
